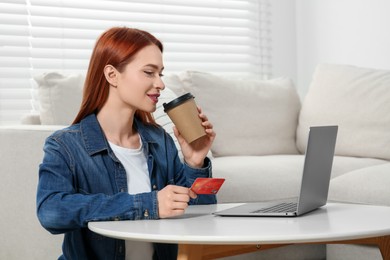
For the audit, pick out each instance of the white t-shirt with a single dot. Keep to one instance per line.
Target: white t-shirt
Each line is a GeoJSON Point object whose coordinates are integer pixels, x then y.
{"type": "Point", "coordinates": [138, 181]}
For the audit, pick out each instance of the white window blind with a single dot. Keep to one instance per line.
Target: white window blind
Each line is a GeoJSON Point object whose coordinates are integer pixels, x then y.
{"type": "Point", "coordinates": [15, 66]}
{"type": "Point", "coordinates": [217, 36]}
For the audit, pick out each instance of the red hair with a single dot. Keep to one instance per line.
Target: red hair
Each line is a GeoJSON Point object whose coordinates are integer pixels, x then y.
{"type": "Point", "coordinates": [116, 47]}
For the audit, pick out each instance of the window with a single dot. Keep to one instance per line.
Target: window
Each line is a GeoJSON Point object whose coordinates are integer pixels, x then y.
{"type": "Point", "coordinates": [15, 66]}
{"type": "Point", "coordinates": [36, 36]}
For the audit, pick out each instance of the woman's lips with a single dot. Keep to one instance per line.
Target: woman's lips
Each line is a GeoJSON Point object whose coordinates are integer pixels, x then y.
{"type": "Point", "coordinates": [154, 97]}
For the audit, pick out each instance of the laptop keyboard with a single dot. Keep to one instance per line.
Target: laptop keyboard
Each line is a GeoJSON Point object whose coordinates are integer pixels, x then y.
{"type": "Point", "coordinates": [282, 207]}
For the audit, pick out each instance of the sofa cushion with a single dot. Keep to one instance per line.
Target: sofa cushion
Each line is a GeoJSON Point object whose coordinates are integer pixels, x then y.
{"type": "Point", "coordinates": [59, 97]}
{"type": "Point", "coordinates": [258, 178]}
{"type": "Point", "coordinates": [173, 82]}
{"type": "Point", "coordinates": [345, 164]}
{"type": "Point", "coordinates": [250, 117]}
{"type": "Point", "coordinates": [356, 99]}
{"type": "Point", "coordinates": [368, 185]}
{"type": "Point", "coordinates": [162, 118]}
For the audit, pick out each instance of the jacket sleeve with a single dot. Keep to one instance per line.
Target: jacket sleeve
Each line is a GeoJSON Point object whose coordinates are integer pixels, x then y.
{"type": "Point", "coordinates": [204, 172]}
{"type": "Point", "coordinates": [185, 175]}
{"type": "Point", "coordinates": [63, 206]}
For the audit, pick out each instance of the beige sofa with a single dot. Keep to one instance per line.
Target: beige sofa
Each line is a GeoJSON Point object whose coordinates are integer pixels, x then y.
{"type": "Point", "coordinates": [261, 130]}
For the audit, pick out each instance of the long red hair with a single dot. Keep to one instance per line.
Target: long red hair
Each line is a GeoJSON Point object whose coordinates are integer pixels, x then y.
{"type": "Point", "coordinates": [116, 47]}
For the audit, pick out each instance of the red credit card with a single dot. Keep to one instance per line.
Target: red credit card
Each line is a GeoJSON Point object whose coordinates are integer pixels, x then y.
{"type": "Point", "coordinates": [207, 185]}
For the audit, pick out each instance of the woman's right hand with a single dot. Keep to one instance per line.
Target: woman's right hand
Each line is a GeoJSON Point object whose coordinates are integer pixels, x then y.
{"type": "Point", "coordinates": [173, 200]}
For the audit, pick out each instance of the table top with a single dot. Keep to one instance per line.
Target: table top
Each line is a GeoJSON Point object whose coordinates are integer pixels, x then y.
{"type": "Point", "coordinates": [333, 222]}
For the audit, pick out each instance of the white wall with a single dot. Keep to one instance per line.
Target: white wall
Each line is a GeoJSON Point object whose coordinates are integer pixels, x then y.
{"type": "Point", "coordinates": [352, 32]}
{"type": "Point", "coordinates": [284, 58]}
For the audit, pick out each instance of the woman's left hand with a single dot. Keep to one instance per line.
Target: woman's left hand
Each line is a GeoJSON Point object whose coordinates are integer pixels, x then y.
{"type": "Point", "coordinates": [195, 152]}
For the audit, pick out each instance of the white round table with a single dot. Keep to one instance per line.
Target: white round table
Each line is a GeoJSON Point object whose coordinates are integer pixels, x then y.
{"type": "Point", "coordinates": [200, 231]}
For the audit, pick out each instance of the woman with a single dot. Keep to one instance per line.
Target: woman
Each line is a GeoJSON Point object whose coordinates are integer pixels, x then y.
{"type": "Point", "coordinates": [114, 162]}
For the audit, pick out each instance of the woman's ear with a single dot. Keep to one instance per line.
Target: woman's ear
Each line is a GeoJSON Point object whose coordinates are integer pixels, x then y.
{"type": "Point", "coordinates": [111, 75]}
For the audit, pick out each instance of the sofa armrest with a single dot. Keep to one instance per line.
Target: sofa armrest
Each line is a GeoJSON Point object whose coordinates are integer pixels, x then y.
{"type": "Point", "coordinates": [21, 152]}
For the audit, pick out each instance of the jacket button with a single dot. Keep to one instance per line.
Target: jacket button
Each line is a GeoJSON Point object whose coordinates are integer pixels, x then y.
{"type": "Point", "coordinates": [146, 213]}
{"type": "Point", "coordinates": [154, 187]}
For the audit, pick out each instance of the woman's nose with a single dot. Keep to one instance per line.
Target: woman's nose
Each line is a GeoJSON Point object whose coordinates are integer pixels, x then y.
{"type": "Point", "coordinates": [159, 84]}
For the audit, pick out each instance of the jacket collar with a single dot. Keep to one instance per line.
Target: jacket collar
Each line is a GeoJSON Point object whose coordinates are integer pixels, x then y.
{"type": "Point", "coordinates": [95, 140]}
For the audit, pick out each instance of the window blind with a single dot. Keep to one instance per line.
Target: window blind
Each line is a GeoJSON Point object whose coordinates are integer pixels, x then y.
{"type": "Point", "coordinates": [217, 36]}
{"type": "Point", "coordinates": [15, 66]}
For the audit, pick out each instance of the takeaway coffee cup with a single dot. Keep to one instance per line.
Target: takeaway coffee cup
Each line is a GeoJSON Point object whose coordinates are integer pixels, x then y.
{"type": "Point", "coordinates": [184, 114]}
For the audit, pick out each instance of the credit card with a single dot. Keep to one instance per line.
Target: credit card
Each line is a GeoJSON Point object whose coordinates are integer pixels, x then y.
{"type": "Point", "coordinates": [207, 185]}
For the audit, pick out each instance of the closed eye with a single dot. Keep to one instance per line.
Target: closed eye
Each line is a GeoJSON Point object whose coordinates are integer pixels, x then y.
{"type": "Point", "coordinates": [152, 73]}
{"type": "Point", "coordinates": [153, 70]}
{"type": "Point", "coordinates": [149, 73]}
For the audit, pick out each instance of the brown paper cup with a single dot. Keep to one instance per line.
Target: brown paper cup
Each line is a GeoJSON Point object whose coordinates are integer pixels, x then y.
{"type": "Point", "coordinates": [184, 114]}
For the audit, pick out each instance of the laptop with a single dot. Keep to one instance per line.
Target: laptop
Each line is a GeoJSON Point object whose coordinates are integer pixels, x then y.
{"type": "Point", "coordinates": [314, 184]}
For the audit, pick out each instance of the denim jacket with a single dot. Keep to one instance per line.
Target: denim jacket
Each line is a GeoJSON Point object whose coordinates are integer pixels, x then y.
{"type": "Point", "coordinates": [81, 180]}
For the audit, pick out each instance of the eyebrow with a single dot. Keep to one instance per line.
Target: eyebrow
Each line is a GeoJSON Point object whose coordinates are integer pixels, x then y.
{"type": "Point", "coordinates": [154, 66]}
